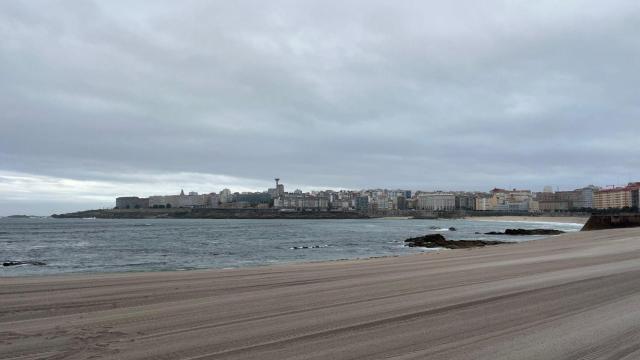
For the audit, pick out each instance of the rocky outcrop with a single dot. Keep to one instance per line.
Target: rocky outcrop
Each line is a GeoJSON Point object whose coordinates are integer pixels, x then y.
{"type": "Point", "coordinates": [612, 221]}
{"type": "Point", "coordinates": [527, 232]}
{"type": "Point", "coordinates": [439, 241]}
{"type": "Point", "coordinates": [14, 263]}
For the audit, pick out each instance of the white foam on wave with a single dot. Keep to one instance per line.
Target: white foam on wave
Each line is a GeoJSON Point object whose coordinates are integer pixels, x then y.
{"type": "Point", "coordinates": [305, 247]}
{"type": "Point", "coordinates": [534, 222]}
{"type": "Point", "coordinates": [427, 249]}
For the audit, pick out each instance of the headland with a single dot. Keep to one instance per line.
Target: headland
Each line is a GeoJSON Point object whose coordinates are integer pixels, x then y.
{"type": "Point", "coordinates": [208, 213]}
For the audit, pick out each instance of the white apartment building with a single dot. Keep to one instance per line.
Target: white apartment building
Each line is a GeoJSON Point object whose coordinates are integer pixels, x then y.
{"type": "Point", "coordinates": [226, 196]}
{"type": "Point", "coordinates": [483, 204]}
{"type": "Point", "coordinates": [437, 201]}
{"type": "Point", "coordinates": [177, 201]}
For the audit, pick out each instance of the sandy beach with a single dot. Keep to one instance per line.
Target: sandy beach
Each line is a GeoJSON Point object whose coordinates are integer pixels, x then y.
{"type": "Point", "coordinates": [572, 296]}
{"type": "Point", "coordinates": [552, 219]}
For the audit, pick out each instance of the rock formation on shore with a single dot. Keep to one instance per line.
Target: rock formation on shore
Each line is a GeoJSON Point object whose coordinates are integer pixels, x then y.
{"type": "Point", "coordinates": [527, 232]}
{"type": "Point", "coordinates": [439, 241]}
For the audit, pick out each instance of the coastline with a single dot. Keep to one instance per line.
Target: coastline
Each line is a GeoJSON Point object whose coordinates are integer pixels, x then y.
{"type": "Point", "coordinates": [209, 213]}
{"type": "Point", "coordinates": [559, 295]}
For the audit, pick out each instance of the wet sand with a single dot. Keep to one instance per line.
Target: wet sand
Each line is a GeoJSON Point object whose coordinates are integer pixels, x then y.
{"type": "Point", "coordinates": [573, 296]}
{"type": "Point", "coordinates": [553, 219]}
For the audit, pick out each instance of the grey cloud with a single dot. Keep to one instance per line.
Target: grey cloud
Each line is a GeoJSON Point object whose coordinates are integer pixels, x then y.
{"type": "Point", "coordinates": [420, 94]}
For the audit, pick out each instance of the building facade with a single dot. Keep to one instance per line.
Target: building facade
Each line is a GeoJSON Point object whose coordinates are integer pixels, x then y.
{"type": "Point", "coordinates": [617, 198]}
{"type": "Point", "coordinates": [483, 203]}
{"type": "Point", "coordinates": [132, 202]}
{"type": "Point", "coordinates": [437, 201]}
{"type": "Point", "coordinates": [465, 201]}
{"type": "Point", "coordinates": [512, 200]}
{"type": "Point", "coordinates": [193, 200]}
{"type": "Point", "coordinates": [301, 202]}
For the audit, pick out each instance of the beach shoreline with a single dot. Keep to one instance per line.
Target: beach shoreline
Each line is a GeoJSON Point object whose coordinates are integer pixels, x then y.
{"type": "Point", "coordinates": [532, 219]}
{"type": "Point", "coordinates": [549, 298]}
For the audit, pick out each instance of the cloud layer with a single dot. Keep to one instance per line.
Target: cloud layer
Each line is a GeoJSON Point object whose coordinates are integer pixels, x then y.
{"type": "Point", "coordinates": [419, 95]}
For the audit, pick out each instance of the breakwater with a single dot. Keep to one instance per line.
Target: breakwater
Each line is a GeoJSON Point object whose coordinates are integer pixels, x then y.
{"type": "Point", "coordinates": [612, 221]}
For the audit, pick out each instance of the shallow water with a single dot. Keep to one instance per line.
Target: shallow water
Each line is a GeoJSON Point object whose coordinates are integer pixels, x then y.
{"type": "Point", "coordinates": [100, 245]}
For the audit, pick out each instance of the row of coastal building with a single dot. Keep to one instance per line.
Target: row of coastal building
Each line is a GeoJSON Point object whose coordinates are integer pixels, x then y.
{"type": "Point", "coordinates": [586, 198]}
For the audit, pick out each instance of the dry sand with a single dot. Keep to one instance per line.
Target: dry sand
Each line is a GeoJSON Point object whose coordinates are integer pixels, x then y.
{"type": "Point", "coordinates": [553, 219]}
{"type": "Point", "coordinates": [574, 296]}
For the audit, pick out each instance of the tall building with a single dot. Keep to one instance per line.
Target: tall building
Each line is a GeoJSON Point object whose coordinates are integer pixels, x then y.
{"type": "Point", "coordinates": [483, 203]}
{"type": "Point", "coordinates": [586, 197]}
{"type": "Point", "coordinates": [512, 200]}
{"type": "Point", "coordinates": [226, 196]}
{"type": "Point", "coordinates": [465, 201]}
{"type": "Point", "coordinates": [132, 202]}
{"type": "Point", "coordinates": [362, 203]}
{"type": "Point", "coordinates": [567, 200]}
{"type": "Point", "coordinates": [301, 202]}
{"type": "Point", "coordinates": [617, 198]}
{"type": "Point", "coordinates": [177, 201]}
{"type": "Point", "coordinates": [438, 201]}
{"type": "Point", "coordinates": [253, 199]}
{"type": "Point", "coordinates": [214, 200]}
{"type": "Point", "coordinates": [401, 203]}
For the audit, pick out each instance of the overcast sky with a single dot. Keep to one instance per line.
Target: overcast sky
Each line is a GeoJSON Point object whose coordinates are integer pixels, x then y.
{"type": "Point", "coordinates": [111, 98]}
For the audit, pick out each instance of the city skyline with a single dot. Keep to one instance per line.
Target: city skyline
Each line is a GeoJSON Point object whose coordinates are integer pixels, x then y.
{"type": "Point", "coordinates": [105, 200]}
{"type": "Point", "coordinates": [100, 195]}
{"type": "Point", "coordinates": [374, 200]}
{"type": "Point", "coordinates": [103, 96]}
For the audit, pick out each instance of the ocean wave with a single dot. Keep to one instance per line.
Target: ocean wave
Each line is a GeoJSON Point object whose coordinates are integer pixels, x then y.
{"type": "Point", "coordinates": [554, 223]}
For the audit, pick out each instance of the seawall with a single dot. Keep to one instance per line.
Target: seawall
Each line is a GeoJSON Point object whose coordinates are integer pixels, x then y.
{"type": "Point", "coordinates": [612, 221]}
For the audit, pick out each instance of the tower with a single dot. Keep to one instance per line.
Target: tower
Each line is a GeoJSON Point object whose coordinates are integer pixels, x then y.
{"type": "Point", "coordinates": [279, 187]}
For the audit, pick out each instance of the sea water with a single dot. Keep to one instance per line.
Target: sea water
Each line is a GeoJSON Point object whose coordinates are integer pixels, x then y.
{"type": "Point", "coordinates": [108, 245]}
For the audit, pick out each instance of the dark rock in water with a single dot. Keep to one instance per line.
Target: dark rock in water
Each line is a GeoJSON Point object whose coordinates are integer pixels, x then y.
{"type": "Point", "coordinates": [306, 247]}
{"type": "Point", "coordinates": [477, 233]}
{"type": "Point", "coordinates": [439, 241]}
{"type": "Point", "coordinates": [527, 232]}
{"type": "Point", "coordinates": [14, 263]}
{"type": "Point", "coordinates": [452, 229]}
{"type": "Point", "coordinates": [433, 227]}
